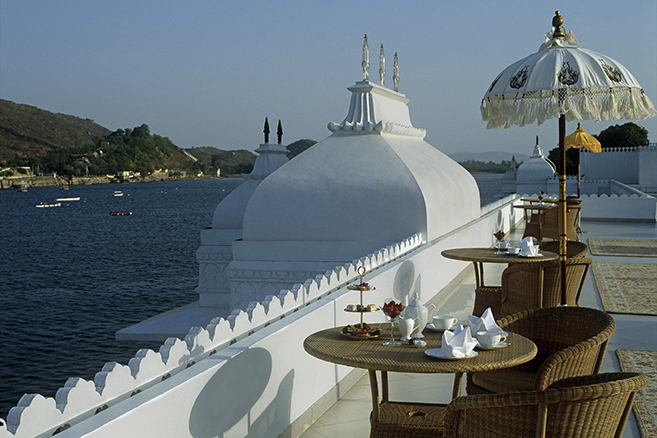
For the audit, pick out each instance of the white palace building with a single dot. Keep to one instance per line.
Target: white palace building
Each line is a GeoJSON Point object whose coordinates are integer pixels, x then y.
{"type": "Point", "coordinates": [282, 249]}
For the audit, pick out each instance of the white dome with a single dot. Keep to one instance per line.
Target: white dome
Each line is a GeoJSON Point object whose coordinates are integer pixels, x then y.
{"type": "Point", "coordinates": [535, 170]}
{"type": "Point", "coordinates": [374, 181]}
{"type": "Point", "coordinates": [229, 214]}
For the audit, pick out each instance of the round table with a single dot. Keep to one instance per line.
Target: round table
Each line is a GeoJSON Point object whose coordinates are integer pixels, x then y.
{"type": "Point", "coordinates": [479, 256]}
{"type": "Point", "coordinates": [332, 346]}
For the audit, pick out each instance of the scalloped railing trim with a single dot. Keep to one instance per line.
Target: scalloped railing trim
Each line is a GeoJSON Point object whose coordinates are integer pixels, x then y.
{"type": "Point", "coordinates": [80, 399]}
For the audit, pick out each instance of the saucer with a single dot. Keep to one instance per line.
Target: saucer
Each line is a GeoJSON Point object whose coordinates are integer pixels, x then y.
{"type": "Point", "coordinates": [430, 326]}
{"type": "Point", "coordinates": [438, 354]}
{"type": "Point", "coordinates": [502, 344]}
{"type": "Point", "coordinates": [530, 256]}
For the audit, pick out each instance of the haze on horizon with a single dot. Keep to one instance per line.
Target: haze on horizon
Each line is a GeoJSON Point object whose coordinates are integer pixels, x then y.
{"type": "Point", "coordinates": [208, 73]}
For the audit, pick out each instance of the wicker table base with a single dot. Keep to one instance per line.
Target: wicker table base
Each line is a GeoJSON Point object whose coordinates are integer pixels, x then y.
{"type": "Point", "coordinates": [416, 420]}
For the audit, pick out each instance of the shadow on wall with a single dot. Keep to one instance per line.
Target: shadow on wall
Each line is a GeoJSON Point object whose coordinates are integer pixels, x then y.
{"type": "Point", "coordinates": [231, 393]}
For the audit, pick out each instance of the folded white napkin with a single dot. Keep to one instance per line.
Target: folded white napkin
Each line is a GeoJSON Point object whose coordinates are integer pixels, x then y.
{"type": "Point", "coordinates": [527, 247]}
{"type": "Point", "coordinates": [458, 343]}
{"type": "Point", "coordinates": [484, 324]}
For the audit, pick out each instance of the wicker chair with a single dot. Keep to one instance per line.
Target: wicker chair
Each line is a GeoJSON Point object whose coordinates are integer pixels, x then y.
{"type": "Point", "coordinates": [571, 342]}
{"type": "Point", "coordinates": [533, 285]}
{"type": "Point", "coordinates": [546, 224]}
{"type": "Point", "coordinates": [587, 406]}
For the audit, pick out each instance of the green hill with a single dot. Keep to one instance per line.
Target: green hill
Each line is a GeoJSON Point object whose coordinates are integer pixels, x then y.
{"type": "Point", "coordinates": [29, 131]}
{"type": "Point", "coordinates": [67, 145]}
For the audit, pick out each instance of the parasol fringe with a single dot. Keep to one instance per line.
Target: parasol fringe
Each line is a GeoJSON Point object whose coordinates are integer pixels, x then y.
{"type": "Point", "coordinates": [593, 103]}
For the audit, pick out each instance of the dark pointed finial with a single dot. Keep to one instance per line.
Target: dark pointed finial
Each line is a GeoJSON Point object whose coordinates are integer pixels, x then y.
{"type": "Point", "coordinates": [266, 130]}
{"type": "Point", "coordinates": [557, 22]}
{"type": "Point", "coordinates": [537, 140]}
{"type": "Point", "coordinates": [279, 131]}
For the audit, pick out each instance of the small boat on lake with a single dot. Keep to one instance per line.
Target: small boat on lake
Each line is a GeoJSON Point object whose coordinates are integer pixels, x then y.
{"type": "Point", "coordinates": [63, 188]}
{"type": "Point", "coordinates": [118, 193]}
{"type": "Point", "coordinates": [22, 190]}
{"type": "Point", "coordinates": [49, 204]}
{"type": "Point", "coordinates": [76, 198]}
{"type": "Point", "coordinates": [120, 213]}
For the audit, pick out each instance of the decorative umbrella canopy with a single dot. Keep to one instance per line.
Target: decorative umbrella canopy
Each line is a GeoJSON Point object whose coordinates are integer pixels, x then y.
{"type": "Point", "coordinates": [580, 139]}
{"type": "Point", "coordinates": [566, 81]}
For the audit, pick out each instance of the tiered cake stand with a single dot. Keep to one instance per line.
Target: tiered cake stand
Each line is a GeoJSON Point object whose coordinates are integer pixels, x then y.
{"type": "Point", "coordinates": [361, 308]}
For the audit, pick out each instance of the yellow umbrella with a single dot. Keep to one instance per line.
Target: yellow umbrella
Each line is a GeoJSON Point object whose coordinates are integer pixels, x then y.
{"type": "Point", "coordinates": [580, 139]}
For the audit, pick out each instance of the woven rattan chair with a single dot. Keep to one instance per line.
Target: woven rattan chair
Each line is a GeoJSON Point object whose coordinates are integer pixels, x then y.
{"type": "Point", "coordinates": [533, 285]}
{"type": "Point", "coordinates": [571, 342]}
{"type": "Point", "coordinates": [545, 224]}
{"type": "Point", "coordinates": [587, 406]}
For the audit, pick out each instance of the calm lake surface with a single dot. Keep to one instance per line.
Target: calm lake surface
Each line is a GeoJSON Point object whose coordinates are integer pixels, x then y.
{"type": "Point", "coordinates": [72, 276]}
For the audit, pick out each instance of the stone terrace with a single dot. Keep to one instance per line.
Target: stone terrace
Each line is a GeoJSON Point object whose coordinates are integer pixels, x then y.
{"type": "Point", "coordinates": [349, 417]}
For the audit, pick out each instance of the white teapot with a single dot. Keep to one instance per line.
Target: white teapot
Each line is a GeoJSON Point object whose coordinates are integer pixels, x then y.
{"type": "Point", "coordinates": [416, 309]}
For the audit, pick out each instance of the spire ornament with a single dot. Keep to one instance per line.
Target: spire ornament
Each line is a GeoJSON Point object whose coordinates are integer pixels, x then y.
{"type": "Point", "coordinates": [266, 130]}
{"type": "Point", "coordinates": [382, 67]}
{"type": "Point", "coordinates": [395, 73]}
{"type": "Point", "coordinates": [366, 60]}
{"type": "Point", "coordinates": [279, 131]}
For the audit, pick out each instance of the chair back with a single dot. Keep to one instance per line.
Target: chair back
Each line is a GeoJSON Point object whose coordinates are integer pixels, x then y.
{"type": "Point", "coordinates": [571, 341]}
{"type": "Point", "coordinates": [535, 285]}
{"type": "Point", "coordinates": [582, 407]}
{"type": "Point", "coordinates": [550, 228]}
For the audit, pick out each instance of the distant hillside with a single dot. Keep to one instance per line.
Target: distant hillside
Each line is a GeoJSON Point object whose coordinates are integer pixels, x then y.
{"type": "Point", "coordinates": [72, 146]}
{"type": "Point", "coordinates": [229, 162]}
{"type": "Point", "coordinates": [299, 146]}
{"type": "Point", "coordinates": [495, 157]}
{"type": "Point", "coordinates": [241, 161]}
{"type": "Point", "coordinates": [29, 131]}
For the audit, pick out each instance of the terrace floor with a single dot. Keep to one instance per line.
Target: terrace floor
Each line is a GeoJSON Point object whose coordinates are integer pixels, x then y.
{"type": "Point", "coordinates": [349, 417]}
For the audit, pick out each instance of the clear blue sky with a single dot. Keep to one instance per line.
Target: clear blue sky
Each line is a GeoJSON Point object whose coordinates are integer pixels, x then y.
{"type": "Point", "coordinates": [206, 73]}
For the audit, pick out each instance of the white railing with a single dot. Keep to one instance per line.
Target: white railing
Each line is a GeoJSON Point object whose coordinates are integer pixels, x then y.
{"type": "Point", "coordinates": [196, 382]}
{"type": "Point", "coordinates": [37, 416]}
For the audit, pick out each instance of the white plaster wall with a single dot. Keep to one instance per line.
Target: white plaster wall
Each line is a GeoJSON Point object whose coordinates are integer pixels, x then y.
{"type": "Point", "coordinates": [648, 169]}
{"type": "Point", "coordinates": [618, 208]}
{"type": "Point", "coordinates": [265, 381]}
{"type": "Point", "coordinates": [621, 165]}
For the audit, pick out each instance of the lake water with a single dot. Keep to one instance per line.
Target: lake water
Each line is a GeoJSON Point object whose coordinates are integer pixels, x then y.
{"type": "Point", "coordinates": [72, 276]}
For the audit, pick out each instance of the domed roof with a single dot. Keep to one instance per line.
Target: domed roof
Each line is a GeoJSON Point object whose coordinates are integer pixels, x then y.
{"type": "Point", "coordinates": [537, 168]}
{"type": "Point", "coordinates": [374, 179]}
{"type": "Point", "coordinates": [229, 214]}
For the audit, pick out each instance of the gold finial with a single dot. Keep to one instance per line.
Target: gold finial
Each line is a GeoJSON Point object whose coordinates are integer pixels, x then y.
{"type": "Point", "coordinates": [557, 22]}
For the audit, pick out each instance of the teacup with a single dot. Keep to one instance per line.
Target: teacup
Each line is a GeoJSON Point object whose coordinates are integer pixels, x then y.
{"type": "Point", "coordinates": [502, 245]}
{"type": "Point", "coordinates": [443, 322]}
{"type": "Point", "coordinates": [513, 250]}
{"type": "Point", "coordinates": [489, 339]}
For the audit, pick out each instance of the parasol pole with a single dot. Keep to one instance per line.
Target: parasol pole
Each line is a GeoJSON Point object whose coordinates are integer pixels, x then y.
{"type": "Point", "coordinates": [562, 205]}
{"type": "Point", "coordinates": [579, 151]}
{"type": "Point", "coordinates": [559, 32]}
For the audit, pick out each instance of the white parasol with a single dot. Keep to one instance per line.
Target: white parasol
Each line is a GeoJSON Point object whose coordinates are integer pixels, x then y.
{"type": "Point", "coordinates": [566, 81]}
